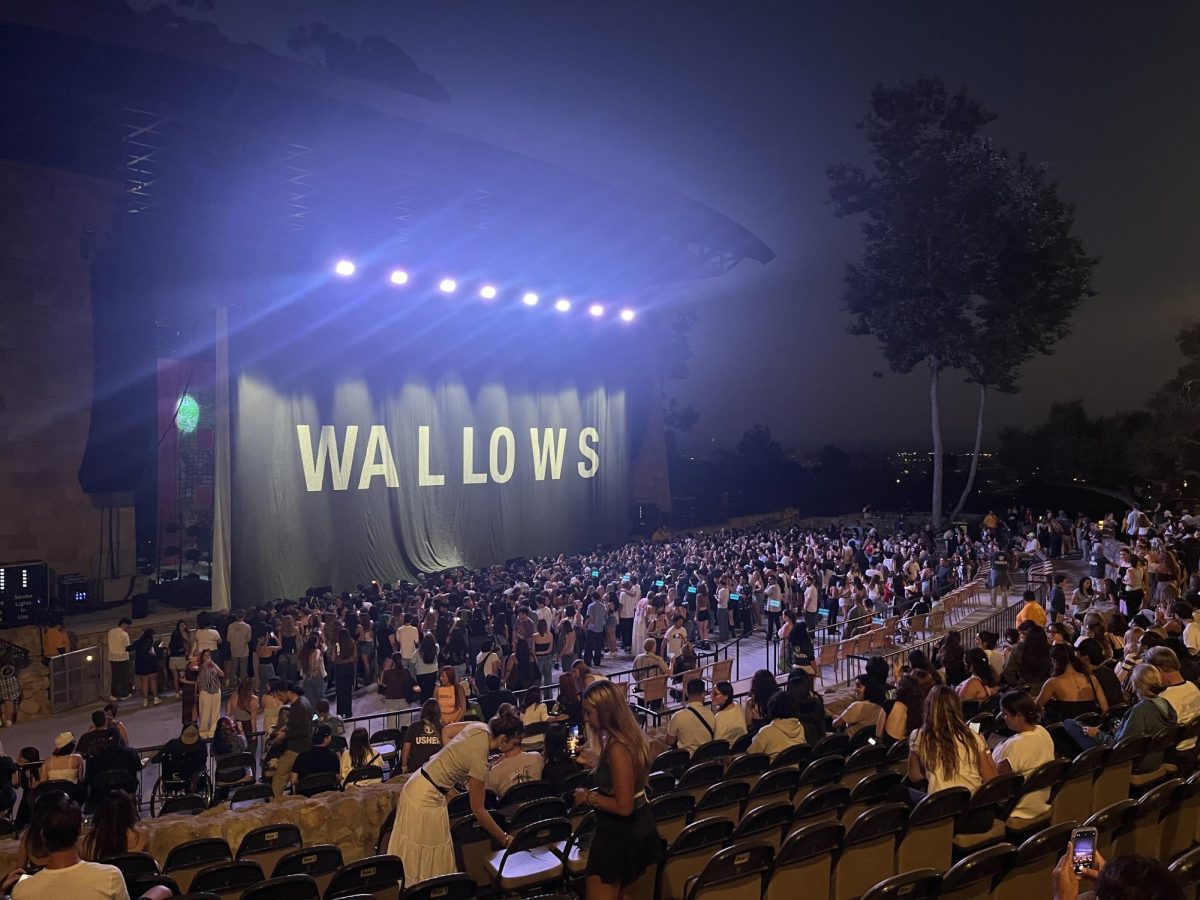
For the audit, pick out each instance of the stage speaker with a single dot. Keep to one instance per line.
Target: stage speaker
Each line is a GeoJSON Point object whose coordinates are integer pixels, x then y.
{"type": "Point", "coordinates": [140, 604]}
{"type": "Point", "coordinates": [75, 594]}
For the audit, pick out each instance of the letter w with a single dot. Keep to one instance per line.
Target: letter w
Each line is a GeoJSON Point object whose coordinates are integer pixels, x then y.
{"type": "Point", "coordinates": [327, 448]}
{"type": "Point", "coordinates": [549, 448]}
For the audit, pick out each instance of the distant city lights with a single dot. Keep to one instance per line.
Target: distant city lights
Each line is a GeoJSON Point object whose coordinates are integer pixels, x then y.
{"type": "Point", "coordinates": [345, 268]}
{"type": "Point", "coordinates": [398, 276]}
{"type": "Point", "coordinates": [447, 285]}
{"type": "Point", "coordinates": [562, 304]}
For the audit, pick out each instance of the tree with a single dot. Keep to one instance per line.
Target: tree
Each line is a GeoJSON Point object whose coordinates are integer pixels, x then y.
{"type": "Point", "coordinates": [374, 58]}
{"type": "Point", "coordinates": [1040, 275]}
{"type": "Point", "coordinates": [928, 232]}
{"type": "Point", "coordinates": [968, 259]}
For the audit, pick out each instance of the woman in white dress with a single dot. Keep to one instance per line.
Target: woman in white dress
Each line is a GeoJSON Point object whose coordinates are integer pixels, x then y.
{"type": "Point", "coordinates": [639, 622]}
{"type": "Point", "coordinates": [421, 835]}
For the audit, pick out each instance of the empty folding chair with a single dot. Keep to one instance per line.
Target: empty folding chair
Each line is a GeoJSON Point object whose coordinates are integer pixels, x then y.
{"type": "Point", "coordinates": [381, 877]}
{"type": "Point", "coordinates": [1108, 822]}
{"type": "Point", "coordinates": [1032, 811]}
{"type": "Point", "coordinates": [742, 744]}
{"type": "Point", "coordinates": [1073, 802]}
{"type": "Point", "coordinates": [249, 795]}
{"type": "Point", "coordinates": [188, 804]}
{"type": "Point", "coordinates": [928, 839]}
{"type": "Point", "coordinates": [672, 761]}
{"type": "Point", "coordinates": [825, 804]}
{"type": "Point", "coordinates": [385, 833]}
{"type": "Point", "coordinates": [697, 779]}
{"type": "Point", "coordinates": [868, 851]}
{"type": "Point", "coordinates": [137, 885]}
{"type": "Point", "coordinates": [1181, 819]}
{"type": "Point", "coordinates": [320, 862]}
{"type": "Point", "coordinates": [269, 844]}
{"type": "Point", "coordinates": [227, 879]}
{"type": "Point", "coordinates": [804, 860]}
{"type": "Point", "coordinates": [919, 884]}
{"type": "Point", "coordinates": [983, 823]}
{"type": "Point", "coordinates": [1186, 870]}
{"type": "Point", "coordinates": [288, 887]}
{"type": "Point", "coordinates": [717, 750]}
{"type": "Point", "coordinates": [765, 823]}
{"type": "Point", "coordinates": [897, 758]}
{"type": "Point", "coordinates": [836, 744]}
{"type": "Point", "coordinates": [318, 783]}
{"type": "Point", "coordinates": [723, 800]}
{"type": "Point", "coordinates": [672, 813]}
{"type": "Point", "coordinates": [816, 774]}
{"type": "Point", "coordinates": [687, 855]}
{"type": "Point", "coordinates": [735, 873]}
{"type": "Point", "coordinates": [972, 877]}
{"type": "Point", "coordinates": [472, 847]}
{"type": "Point", "coordinates": [1144, 775]}
{"type": "Point", "coordinates": [1141, 833]}
{"type": "Point", "coordinates": [1112, 782]}
{"type": "Point", "coordinates": [536, 811]}
{"type": "Point", "coordinates": [772, 786]}
{"type": "Point", "coordinates": [861, 763]}
{"type": "Point", "coordinates": [1029, 874]}
{"type": "Point", "coordinates": [526, 791]}
{"type": "Point", "coordinates": [133, 864]}
{"type": "Point", "coordinates": [443, 887]}
{"type": "Point", "coordinates": [871, 791]}
{"type": "Point", "coordinates": [660, 783]}
{"type": "Point", "coordinates": [747, 765]}
{"type": "Point", "coordinates": [183, 862]}
{"type": "Point", "coordinates": [580, 845]}
{"type": "Point", "coordinates": [535, 858]}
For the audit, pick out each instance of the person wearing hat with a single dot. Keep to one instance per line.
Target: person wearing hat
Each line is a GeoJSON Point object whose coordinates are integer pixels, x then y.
{"type": "Point", "coordinates": [183, 757]}
{"type": "Point", "coordinates": [64, 764]}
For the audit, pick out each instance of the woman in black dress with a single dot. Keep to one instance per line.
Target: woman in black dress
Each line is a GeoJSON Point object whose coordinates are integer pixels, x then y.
{"type": "Point", "coordinates": [626, 842]}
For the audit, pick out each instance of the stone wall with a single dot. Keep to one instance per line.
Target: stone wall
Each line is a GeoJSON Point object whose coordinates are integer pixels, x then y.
{"type": "Point", "coordinates": [46, 365]}
{"type": "Point", "coordinates": [350, 820]}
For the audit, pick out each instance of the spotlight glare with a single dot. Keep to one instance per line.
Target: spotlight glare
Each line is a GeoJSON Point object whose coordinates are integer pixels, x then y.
{"type": "Point", "coordinates": [345, 268]}
{"type": "Point", "coordinates": [487, 292]}
{"type": "Point", "coordinates": [530, 299]}
{"type": "Point", "coordinates": [399, 276]}
{"type": "Point", "coordinates": [562, 304]}
{"type": "Point", "coordinates": [596, 310]}
{"type": "Point", "coordinates": [447, 285]}
{"type": "Point", "coordinates": [627, 315]}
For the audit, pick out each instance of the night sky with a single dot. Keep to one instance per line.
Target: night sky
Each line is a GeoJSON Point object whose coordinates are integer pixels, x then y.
{"type": "Point", "coordinates": [741, 106]}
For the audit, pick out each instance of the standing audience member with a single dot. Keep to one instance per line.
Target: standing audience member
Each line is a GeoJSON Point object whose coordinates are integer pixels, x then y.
{"type": "Point", "coordinates": [120, 686]}
{"type": "Point", "coordinates": [297, 736]}
{"type": "Point", "coordinates": [208, 694]}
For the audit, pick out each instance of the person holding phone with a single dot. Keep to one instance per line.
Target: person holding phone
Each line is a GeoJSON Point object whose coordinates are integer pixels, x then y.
{"type": "Point", "coordinates": [1125, 878]}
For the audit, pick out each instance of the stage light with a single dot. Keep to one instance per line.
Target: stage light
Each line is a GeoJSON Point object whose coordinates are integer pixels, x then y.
{"type": "Point", "coordinates": [596, 310]}
{"type": "Point", "coordinates": [562, 304]}
{"type": "Point", "coordinates": [187, 415]}
{"type": "Point", "coordinates": [345, 268]}
{"type": "Point", "coordinates": [447, 285]}
{"type": "Point", "coordinates": [398, 276]}
{"type": "Point", "coordinates": [627, 315]}
{"type": "Point", "coordinates": [530, 299]}
{"type": "Point", "coordinates": [487, 292]}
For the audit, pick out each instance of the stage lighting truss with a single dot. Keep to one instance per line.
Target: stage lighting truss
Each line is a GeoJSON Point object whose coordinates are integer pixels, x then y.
{"type": "Point", "coordinates": [345, 267]}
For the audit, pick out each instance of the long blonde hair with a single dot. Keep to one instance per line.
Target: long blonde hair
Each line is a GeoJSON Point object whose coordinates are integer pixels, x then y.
{"type": "Point", "coordinates": [616, 723]}
{"type": "Point", "coordinates": [943, 732]}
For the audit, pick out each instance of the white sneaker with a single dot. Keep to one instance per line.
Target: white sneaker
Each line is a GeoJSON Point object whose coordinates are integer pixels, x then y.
{"type": "Point", "coordinates": [145, 703]}
{"type": "Point", "coordinates": [157, 700]}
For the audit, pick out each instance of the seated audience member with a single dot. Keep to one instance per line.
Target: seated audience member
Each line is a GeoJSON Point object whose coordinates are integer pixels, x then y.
{"type": "Point", "coordinates": [695, 724]}
{"type": "Point", "coordinates": [558, 765]}
{"type": "Point", "coordinates": [864, 710]}
{"type": "Point", "coordinates": [944, 751]}
{"type": "Point", "coordinates": [1091, 653]}
{"type": "Point", "coordinates": [981, 682]}
{"type": "Point", "coordinates": [337, 727]}
{"type": "Point", "coordinates": [1029, 661]}
{"type": "Point", "coordinates": [115, 829]}
{"type": "Point", "coordinates": [1070, 691]}
{"type": "Point", "coordinates": [53, 839]}
{"type": "Point", "coordinates": [319, 758]}
{"type": "Point", "coordinates": [1149, 715]}
{"type": "Point", "coordinates": [1125, 878]}
{"type": "Point", "coordinates": [227, 739]}
{"type": "Point", "coordinates": [63, 764]}
{"type": "Point", "coordinates": [97, 736]}
{"type": "Point", "coordinates": [729, 721]}
{"type": "Point", "coordinates": [423, 738]}
{"type": "Point", "coordinates": [810, 708]}
{"type": "Point", "coordinates": [1183, 696]}
{"type": "Point", "coordinates": [907, 711]}
{"type": "Point", "coordinates": [112, 757]}
{"type": "Point", "coordinates": [495, 697]}
{"type": "Point", "coordinates": [183, 757]}
{"type": "Point", "coordinates": [648, 664]}
{"type": "Point", "coordinates": [1029, 747]}
{"type": "Point", "coordinates": [762, 688]}
{"type": "Point", "coordinates": [784, 730]}
{"type": "Point", "coordinates": [359, 755]}
{"type": "Point", "coordinates": [514, 767]}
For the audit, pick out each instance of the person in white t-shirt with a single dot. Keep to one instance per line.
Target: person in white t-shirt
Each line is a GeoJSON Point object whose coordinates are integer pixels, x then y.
{"type": "Point", "coordinates": [1029, 747]}
{"type": "Point", "coordinates": [120, 686]}
{"type": "Point", "coordinates": [944, 750]}
{"type": "Point", "coordinates": [694, 725]}
{"type": "Point", "coordinates": [630, 594]}
{"type": "Point", "coordinates": [1183, 696]}
{"type": "Point", "coordinates": [407, 637]}
{"type": "Point", "coordinates": [53, 836]}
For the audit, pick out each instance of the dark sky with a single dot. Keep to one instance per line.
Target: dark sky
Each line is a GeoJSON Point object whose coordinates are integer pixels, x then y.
{"type": "Point", "coordinates": [743, 105]}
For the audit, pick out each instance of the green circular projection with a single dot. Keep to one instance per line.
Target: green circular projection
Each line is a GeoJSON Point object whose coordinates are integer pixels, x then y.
{"type": "Point", "coordinates": [188, 416]}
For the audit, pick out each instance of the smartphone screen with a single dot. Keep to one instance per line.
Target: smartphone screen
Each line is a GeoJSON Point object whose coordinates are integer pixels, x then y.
{"type": "Point", "coordinates": [659, 583]}
{"type": "Point", "coordinates": [974, 726]}
{"type": "Point", "coordinates": [595, 573]}
{"type": "Point", "coordinates": [691, 590]}
{"type": "Point", "coordinates": [735, 597]}
{"type": "Point", "coordinates": [1084, 841]}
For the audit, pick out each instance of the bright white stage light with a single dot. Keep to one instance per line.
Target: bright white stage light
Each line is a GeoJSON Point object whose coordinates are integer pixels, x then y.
{"type": "Point", "coordinates": [447, 285]}
{"type": "Point", "coordinates": [596, 310]}
{"type": "Point", "coordinates": [345, 268]}
{"type": "Point", "coordinates": [530, 299]}
{"type": "Point", "coordinates": [487, 292]}
{"type": "Point", "coordinates": [627, 315]}
{"type": "Point", "coordinates": [562, 304]}
{"type": "Point", "coordinates": [399, 276]}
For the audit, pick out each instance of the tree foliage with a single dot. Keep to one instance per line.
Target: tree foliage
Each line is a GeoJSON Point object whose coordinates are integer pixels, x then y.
{"type": "Point", "coordinates": [374, 58]}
